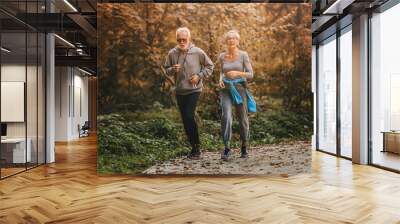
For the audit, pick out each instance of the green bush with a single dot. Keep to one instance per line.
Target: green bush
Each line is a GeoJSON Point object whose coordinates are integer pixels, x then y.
{"type": "Point", "coordinates": [132, 142]}
{"type": "Point", "coordinates": [275, 126]}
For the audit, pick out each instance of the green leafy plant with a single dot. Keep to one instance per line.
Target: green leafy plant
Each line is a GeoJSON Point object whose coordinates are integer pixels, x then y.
{"type": "Point", "coordinates": [132, 142]}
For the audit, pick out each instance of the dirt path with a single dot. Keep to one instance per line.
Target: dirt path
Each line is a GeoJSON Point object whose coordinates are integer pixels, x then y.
{"type": "Point", "coordinates": [283, 159]}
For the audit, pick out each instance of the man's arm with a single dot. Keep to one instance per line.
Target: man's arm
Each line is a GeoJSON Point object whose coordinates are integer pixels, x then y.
{"type": "Point", "coordinates": [168, 65]}
{"type": "Point", "coordinates": [207, 67]}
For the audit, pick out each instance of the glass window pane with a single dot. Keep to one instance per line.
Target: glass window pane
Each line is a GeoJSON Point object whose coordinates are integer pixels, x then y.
{"type": "Point", "coordinates": [31, 97]}
{"type": "Point", "coordinates": [41, 98]}
{"type": "Point", "coordinates": [23, 88]}
{"type": "Point", "coordinates": [346, 94]}
{"type": "Point", "coordinates": [386, 88]}
{"type": "Point", "coordinates": [327, 96]}
{"type": "Point", "coordinates": [14, 153]}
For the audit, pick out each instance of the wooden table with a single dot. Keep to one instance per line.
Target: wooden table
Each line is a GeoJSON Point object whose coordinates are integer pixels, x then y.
{"type": "Point", "coordinates": [13, 150]}
{"type": "Point", "coordinates": [391, 141]}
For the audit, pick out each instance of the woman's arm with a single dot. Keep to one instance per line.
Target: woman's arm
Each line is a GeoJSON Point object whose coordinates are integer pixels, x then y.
{"type": "Point", "coordinates": [221, 73]}
{"type": "Point", "coordinates": [248, 69]}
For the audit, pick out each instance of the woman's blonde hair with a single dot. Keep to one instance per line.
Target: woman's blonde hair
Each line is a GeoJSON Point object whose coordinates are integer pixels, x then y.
{"type": "Point", "coordinates": [230, 33]}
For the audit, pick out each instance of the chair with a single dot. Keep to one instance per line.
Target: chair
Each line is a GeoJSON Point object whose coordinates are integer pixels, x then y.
{"type": "Point", "coordinates": [84, 130]}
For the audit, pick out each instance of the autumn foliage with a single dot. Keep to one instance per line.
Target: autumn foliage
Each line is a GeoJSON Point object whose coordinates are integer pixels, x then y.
{"type": "Point", "coordinates": [135, 38]}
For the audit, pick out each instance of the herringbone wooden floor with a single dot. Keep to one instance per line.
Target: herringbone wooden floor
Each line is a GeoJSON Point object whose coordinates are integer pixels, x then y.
{"type": "Point", "coordinates": [70, 191]}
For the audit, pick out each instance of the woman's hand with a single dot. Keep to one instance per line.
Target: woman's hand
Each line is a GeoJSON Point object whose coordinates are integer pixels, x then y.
{"type": "Point", "coordinates": [233, 74]}
{"type": "Point", "coordinates": [221, 84]}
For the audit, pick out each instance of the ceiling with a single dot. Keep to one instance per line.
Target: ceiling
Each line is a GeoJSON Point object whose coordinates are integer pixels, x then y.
{"type": "Point", "coordinates": [72, 20]}
{"type": "Point", "coordinates": [331, 15]}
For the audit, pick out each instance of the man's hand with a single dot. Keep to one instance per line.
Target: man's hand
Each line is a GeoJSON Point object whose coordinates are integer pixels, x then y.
{"type": "Point", "coordinates": [176, 67]}
{"type": "Point", "coordinates": [221, 84]}
{"type": "Point", "coordinates": [233, 74]}
{"type": "Point", "coordinates": [194, 80]}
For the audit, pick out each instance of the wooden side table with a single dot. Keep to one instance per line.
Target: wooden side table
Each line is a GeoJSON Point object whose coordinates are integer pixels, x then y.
{"type": "Point", "coordinates": [391, 141]}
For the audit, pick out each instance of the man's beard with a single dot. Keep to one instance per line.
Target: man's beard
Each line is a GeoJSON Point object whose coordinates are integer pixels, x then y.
{"type": "Point", "coordinates": [184, 48]}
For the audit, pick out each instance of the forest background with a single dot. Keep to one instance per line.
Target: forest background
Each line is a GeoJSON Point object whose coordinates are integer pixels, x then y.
{"type": "Point", "coordinates": [138, 122]}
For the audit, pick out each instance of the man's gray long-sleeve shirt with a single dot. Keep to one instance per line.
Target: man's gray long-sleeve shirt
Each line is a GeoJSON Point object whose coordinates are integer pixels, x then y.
{"type": "Point", "coordinates": [192, 61]}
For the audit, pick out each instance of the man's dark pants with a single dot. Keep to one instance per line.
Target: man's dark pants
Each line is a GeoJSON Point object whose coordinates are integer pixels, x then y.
{"type": "Point", "coordinates": [187, 107]}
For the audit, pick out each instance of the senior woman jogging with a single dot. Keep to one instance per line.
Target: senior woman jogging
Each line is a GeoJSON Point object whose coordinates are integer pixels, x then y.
{"type": "Point", "coordinates": [236, 69]}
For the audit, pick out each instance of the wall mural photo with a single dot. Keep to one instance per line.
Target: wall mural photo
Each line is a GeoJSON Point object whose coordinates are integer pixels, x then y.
{"type": "Point", "coordinates": [211, 89]}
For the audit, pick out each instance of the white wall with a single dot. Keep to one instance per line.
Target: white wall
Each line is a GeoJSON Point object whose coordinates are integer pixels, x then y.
{"type": "Point", "coordinates": [81, 104]}
{"type": "Point", "coordinates": [62, 81]}
{"type": "Point", "coordinates": [71, 94]}
{"type": "Point", "coordinates": [15, 72]}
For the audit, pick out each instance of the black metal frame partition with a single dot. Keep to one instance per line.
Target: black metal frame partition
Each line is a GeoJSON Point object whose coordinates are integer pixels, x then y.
{"type": "Point", "coordinates": [339, 32]}
{"type": "Point", "coordinates": [44, 93]}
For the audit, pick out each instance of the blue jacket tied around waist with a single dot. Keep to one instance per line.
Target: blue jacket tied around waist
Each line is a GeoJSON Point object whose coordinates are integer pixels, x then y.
{"type": "Point", "coordinates": [237, 98]}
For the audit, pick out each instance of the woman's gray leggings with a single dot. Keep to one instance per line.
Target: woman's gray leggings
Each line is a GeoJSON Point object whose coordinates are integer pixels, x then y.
{"type": "Point", "coordinates": [241, 111]}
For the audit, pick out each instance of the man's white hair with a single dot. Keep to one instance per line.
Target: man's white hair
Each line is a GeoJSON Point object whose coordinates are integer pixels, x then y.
{"type": "Point", "coordinates": [183, 30]}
